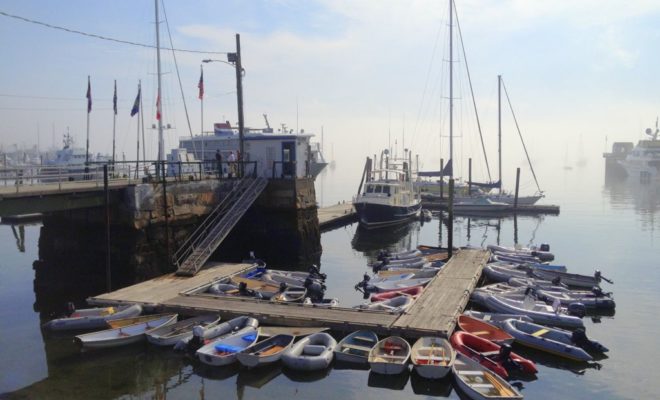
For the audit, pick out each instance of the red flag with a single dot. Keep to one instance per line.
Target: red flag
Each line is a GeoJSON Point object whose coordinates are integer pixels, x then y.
{"type": "Point", "coordinates": [200, 85]}
{"type": "Point", "coordinates": [158, 108]}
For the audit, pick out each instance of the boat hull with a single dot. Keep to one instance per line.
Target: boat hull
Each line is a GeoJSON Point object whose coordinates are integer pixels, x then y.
{"type": "Point", "coordinates": [377, 215]}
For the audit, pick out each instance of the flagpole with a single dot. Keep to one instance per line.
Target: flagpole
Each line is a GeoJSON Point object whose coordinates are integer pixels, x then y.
{"type": "Point", "coordinates": [89, 99]}
{"type": "Point", "coordinates": [114, 122]}
{"type": "Point", "coordinates": [144, 144]}
{"type": "Point", "coordinates": [161, 144]}
{"type": "Point", "coordinates": [137, 123]}
{"type": "Point", "coordinates": [201, 99]}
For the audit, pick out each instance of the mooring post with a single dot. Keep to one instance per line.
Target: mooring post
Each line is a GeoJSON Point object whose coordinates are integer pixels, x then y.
{"type": "Point", "coordinates": [515, 199]}
{"type": "Point", "coordinates": [106, 190]}
{"type": "Point", "coordinates": [167, 220]}
{"type": "Point", "coordinates": [469, 176]}
{"type": "Point", "coordinates": [442, 180]}
{"type": "Point", "coordinates": [450, 228]}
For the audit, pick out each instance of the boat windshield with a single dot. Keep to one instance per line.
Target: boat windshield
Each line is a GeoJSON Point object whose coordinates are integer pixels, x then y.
{"type": "Point", "coordinates": [386, 189]}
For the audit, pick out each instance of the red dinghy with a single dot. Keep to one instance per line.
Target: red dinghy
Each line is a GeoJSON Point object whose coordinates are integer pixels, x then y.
{"type": "Point", "coordinates": [490, 355]}
{"type": "Point", "coordinates": [484, 330]}
{"type": "Point", "coordinates": [412, 291]}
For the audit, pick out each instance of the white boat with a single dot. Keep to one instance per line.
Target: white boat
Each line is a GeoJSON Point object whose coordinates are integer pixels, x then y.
{"type": "Point", "coordinates": [537, 284]}
{"type": "Point", "coordinates": [323, 303]}
{"type": "Point", "coordinates": [265, 352]}
{"type": "Point", "coordinates": [539, 312]}
{"type": "Point", "coordinates": [356, 347]}
{"type": "Point", "coordinates": [479, 295]}
{"type": "Point", "coordinates": [539, 252]}
{"type": "Point", "coordinates": [480, 205]}
{"type": "Point", "coordinates": [204, 334]}
{"type": "Point", "coordinates": [588, 298]}
{"type": "Point", "coordinates": [169, 335]}
{"type": "Point", "coordinates": [643, 162]}
{"type": "Point", "coordinates": [389, 197]}
{"type": "Point", "coordinates": [223, 350]}
{"type": "Point", "coordinates": [311, 353]}
{"type": "Point", "coordinates": [69, 164]}
{"type": "Point", "coordinates": [93, 318]}
{"type": "Point", "coordinates": [478, 383]}
{"type": "Point", "coordinates": [576, 280]}
{"type": "Point", "coordinates": [432, 357]}
{"type": "Point", "coordinates": [390, 356]}
{"type": "Point", "coordinates": [498, 273]}
{"type": "Point", "coordinates": [496, 318]}
{"type": "Point", "coordinates": [415, 273]}
{"type": "Point", "coordinates": [525, 266]}
{"type": "Point", "coordinates": [552, 340]}
{"type": "Point", "coordinates": [290, 295]}
{"type": "Point", "coordinates": [127, 334]}
{"type": "Point", "coordinates": [395, 305]}
{"type": "Point", "coordinates": [401, 284]}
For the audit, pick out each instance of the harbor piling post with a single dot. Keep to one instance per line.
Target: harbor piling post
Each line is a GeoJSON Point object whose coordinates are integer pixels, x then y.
{"type": "Point", "coordinates": [469, 176]}
{"type": "Point", "coordinates": [450, 226]}
{"type": "Point", "coordinates": [106, 191]}
{"type": "Point", "coordinates": [442, 181]}
{"type": "Point", "coordinates": [515, 199]}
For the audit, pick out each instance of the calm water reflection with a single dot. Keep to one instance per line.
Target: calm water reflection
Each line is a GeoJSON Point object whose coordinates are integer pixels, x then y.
{"type": "Point", "coordinates": [610, 225]}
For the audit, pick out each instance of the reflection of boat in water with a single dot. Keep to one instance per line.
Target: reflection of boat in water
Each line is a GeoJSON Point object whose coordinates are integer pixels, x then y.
{"type": "Point", "coordinates": [431, 387]}
{"type": "Point", "coordinates": [394, 239]}
{"type": "Point", "coordinates": [258, 377]}
{"type": "Point", "coordinates": [394, 382]}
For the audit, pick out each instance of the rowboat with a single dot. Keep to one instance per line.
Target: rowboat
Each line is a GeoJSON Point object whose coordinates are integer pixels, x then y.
{"type": "Point", "coordinates": [356, 347]}
{"type": "Point", "coordinates": [265, 352]}
{"type": "Point", "coordinates": [389, 286]}
{"type": "Point", "coordinates": [389, 356]}
{"type": "Point", "coordinates": [432, 357]}
{"type": "Point", "coordinates": [538, 284]}
{"type": "Point", "coordinates": [533, 251]}
{"type": "Point", "coordinates": [499, 359]}
{"type": "Point", "coordinates": [588, 299]}
{"type": "Point", "coordinates": [223, 350]}
{"type": "Point", "coordinates": [498, 273]}
{"type": "Point", "coordinates": [525, 265]}
{"type": "Point", "coordinates": [93, 318]}
{"type": "Point", "coordinates": [311, 353]}
{"type": "Point", "coordinates": [205, 335]}
{"type": "Point", "coordinates": [540, 313]}
{"type": "Point", "coordinates": [265, 289]}
{"type": "Point", "coordinates": [551, 340]}
{"type": "Point", "coordinates": [289, 295]}
{"type": "Point", "coordinates": [496, 318]}
{"type": "Point", "coordinates": [480, 295]}
{"type": "Point", "coordinates": [413, 292]}
{"type": "Point", "coordinates": [169, 335]}
{"type": "Point", "coordinates": [484, 330]}
{"type": "Point", "coordinates": [480, 384]}
{"type": "Point", "coordinates": [125, 333]}
{"type": "Point", "coordinates": [395, 305]}
{"type": "Point", "coordinates": [415, 273]}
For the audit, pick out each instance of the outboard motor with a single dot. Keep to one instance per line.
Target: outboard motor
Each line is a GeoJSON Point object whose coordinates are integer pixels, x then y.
{"type": "Point", "coordinates": [599, 276]}
{"type": "Point", "coordinates": [244, 291]}
{"type": "Point", "coordinates": [577, 310]}
{"type": "Point", "coordinates": [315, 290]}
{"type": "Point", "coordinates": [382, 254]}
{"type": "Point", "coordinates": [315, 272]}
{"type": "Point", "coordinates": [556, 281]}
{"type": "Point", "coordinates": [283, 286]}
{"type": "Point", "coordinates": [597, 291]}
{"type": "Point", "coordinates": [505, 357]}
{"type": "Point", "coordinates": [544, 247]}
{"type": "Point", "coordinates": [579, 337]}
{"type": "Point", "coordinates": [363, 284]}
{"type": "Point", "coordinates": [195, 342]}
{"type": "Point", "coordinates": [70, 308]}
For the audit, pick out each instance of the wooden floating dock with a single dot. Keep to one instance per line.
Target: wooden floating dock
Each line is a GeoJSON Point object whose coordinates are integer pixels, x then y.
{"type": "Point", "coordinates": [336, 215]}
{"type": "Point", "coordinates": [535, 209]}
{"type": "Point", "coordinates": [433, 313]}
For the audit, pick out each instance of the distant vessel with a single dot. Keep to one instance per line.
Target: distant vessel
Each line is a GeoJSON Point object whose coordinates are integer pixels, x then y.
{"type": "Point", "coordinates": [69, 163]}
{"type": "Point", "coordinates": [389, 197]}
{"type": "Point", "coordinates": [643, 162]}
{"type": "Point", "coordinates": [620, 151]}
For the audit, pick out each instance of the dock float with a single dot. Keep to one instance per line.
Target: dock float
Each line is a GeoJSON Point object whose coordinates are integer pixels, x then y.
{"type": "Point", "coordinates": [534, 209]}
{"type": "Point", "coordinates": [336, 215]}
{"type": "Point", "coordinates": [434, 312]}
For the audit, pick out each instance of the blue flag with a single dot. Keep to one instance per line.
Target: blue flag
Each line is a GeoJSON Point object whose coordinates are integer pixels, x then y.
{"type": "Point", "coordinates": [136, 104]}
{"type": "Point", "coordinates": [114, 99]}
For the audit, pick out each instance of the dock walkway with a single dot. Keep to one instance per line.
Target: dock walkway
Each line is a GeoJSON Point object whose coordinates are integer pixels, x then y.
{"type": "Point", "coordinates": [434, 312]}
{"type": "Point", "coordinates": [336, 215]}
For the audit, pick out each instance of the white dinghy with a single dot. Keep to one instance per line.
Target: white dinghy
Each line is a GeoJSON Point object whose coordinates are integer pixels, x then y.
{"type": "Point", "coordinates": [265, 352]}
{"type": "Point", "coordinates": [395, 305]}
{"type": "Point", "coordinates": [93, 318]}
{"type": "Point", "coordinates": [478, 383]}
{"type": "Point", "coordinates": [311, 353]}
{"type": "Point", "coordinates": [356, 347]}
{"type": "Point", "coordinates": [223, 350]}
{"type": "Point", "coordinates": [432, 357]}
{"type": "Point", "coordinates": [390, 356]}
{"type": "Point", "coordinates": [125, 334]}
{"type": "Point", "coordinates": [169, 335]}
{"type": "Point", "coordinates": [539, 312]}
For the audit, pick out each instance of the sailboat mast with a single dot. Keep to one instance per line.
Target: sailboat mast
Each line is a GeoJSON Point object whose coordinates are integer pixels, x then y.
{"type": "Point", "coordinates": [499, 128]}
{"type": "Point", "coordinates": [451, 91]}
{"type": "Point", "coordinates": [161, 146]}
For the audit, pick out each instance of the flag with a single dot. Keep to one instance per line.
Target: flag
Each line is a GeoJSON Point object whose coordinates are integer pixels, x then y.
{"type": "Point", "coordinates": [136, 104]}
{"type": "Point", "coordinates": [158, 108]}
{"type": "Point", "coordinates": [89, 95]}
{"type": "Point", "coordinates": [114, 99]}
{"type": "Point", "coordinates": [200, 85]}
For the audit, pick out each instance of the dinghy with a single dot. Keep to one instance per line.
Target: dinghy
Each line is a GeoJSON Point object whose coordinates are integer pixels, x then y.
{"type": "Point", "coordinates": [496, 318]}
{"type": "Point", "coordinates": [265, 352]}
{"type": "Point", "coordinates": [414, 273]}
{"type": "Point", "coordinates": [484, 330]}
{"type": "Point", "coordinates": [499, 359]}
{"type": "Point", "coordinates": [356, 347]}
{"type": "Point", "coordinates": [533, 251]}
{"type": "Point", "coordinates": [395, 305]}
{"type": "Point", "coordinates": [554, 341]}
{"type": "Point", "coordinates": [480, 384]}
{"type": "Point", "coordinates": [223, 350]}
{"type": "Point", "coordinates": [389, 286]}
{"type": "Point", "coordinates": [527, 266]}
{"type": "Point", "coordinates": [125, 333]}
{"type": "Point", "coordinates": [432, 357]}
{"type": "Point", "coordinates": [265, 289]}
{"type": "Point", "coordinates": [538, 284]}
{"type": "Point", "coordinates": [576, 280]}
{"type": "Point", "coordinates": [93, 318]}
{"type": "Point", "coordinates": [169, 335]}
{"type": "Point", "coordinates": [205, 334]}
{"type": "Point", "coordinates": [311, 353]}
{"type": "Point", "coordinates": [539, 313]}
{"type": "Point", "coordinates": [479, 295]}
{"type": "Point", "coordinates": [498, 273]}
{"type": "Point", "coordinates": [596, 301]}
{"type": "Point", "coordinates": [389, 356]}
{"type": "Point", "coordinates": [413, 292]}
{"type": "Point", "coordinates": [290, 295]}
{"type": "Point", "coordinates": [323, 303]}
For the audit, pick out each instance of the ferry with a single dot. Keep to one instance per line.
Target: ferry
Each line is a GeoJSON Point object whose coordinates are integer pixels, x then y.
{"type": "Point", "coordinates": [643, 162]}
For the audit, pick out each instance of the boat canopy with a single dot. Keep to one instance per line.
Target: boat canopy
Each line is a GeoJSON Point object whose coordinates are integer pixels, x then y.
{"type": "Point", "coordinates": [487, 185]}
{"type": "Point", "coordinates": [446, 171]}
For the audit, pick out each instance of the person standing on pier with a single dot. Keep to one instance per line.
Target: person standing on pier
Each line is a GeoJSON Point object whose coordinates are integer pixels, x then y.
{"type": "Point", "coordinates": [218, 160]}
{"type": "Point", "coordinates": [232, 164]}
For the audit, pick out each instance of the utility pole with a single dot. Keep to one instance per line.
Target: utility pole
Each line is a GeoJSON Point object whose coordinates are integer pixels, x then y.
{"type": "Point", "coordinates": [236, 59]}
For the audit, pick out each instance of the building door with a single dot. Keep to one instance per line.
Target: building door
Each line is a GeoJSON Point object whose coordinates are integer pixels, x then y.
{"type": "Point", "coordinates": [289, 158]}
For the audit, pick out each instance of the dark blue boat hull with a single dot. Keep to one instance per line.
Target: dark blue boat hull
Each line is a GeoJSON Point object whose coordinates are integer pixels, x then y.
{"type": "Point", "coordinates": [377, 215]}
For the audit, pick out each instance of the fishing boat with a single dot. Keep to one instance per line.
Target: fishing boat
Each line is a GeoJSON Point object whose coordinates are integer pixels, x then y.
{"type": "Point", "coordinates": [125, 333]}
{"type": "Point", "coordinates": [311, 353]}
{"type": "Point", "coordinates": [480, 384]}
{"type": "Point", "coordinates": [539, 312]}
{"type": "Point", "coordinates": [203, 335]}
{"type": "Point", "coordinates": [389, 356]}
{"type": "Point", "coordinates": [413, 292]}
{"type": "Point", "coordinates": [169, 335]}
{"type": "Point", "coordinates": [484, 330]}
{"type": "Point", "coordinates": [356, 347]}
{"type": "Point", "coordinates": [289, 295]}
{"type": "Point", "coordinates": [499, 359]}
{"type": "Point", "coordinates": [223, 350]}
{"type": "Point", "coordinates": [572, 345]}
{"type": "Point", "coordinates": [265, 352]}
{"type": "Point", "coordinates": [395, 305]}
{"type": "Point", "coordinates": [389, 197]}
{"type": "Point", "coordinates": [93, 318]}
{"type": "Point", "coordinates": [432, 357]}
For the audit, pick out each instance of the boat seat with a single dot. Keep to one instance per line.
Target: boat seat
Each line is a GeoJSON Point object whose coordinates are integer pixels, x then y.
{"type": "Point", "coordinates": [540, 332]}
{"type": "Point", "coordinates": [490, 353]}
{"type": "Point", "coordinates": [364, 339]}
{"type": "Point", "coordinates": [481, 385]}
{"type": "Point", "coordinates": [313, 349]}
{"type": "Point", "coordinates": [470, 372]}
{"type": "Point", "coordinates": [356, 347]}
{"type": "Point", "coordinates": [480, 333]}
{"type": "Point", "coordinates": [433, 358]}
{"type": "Point", "coordinates": [392, 356]}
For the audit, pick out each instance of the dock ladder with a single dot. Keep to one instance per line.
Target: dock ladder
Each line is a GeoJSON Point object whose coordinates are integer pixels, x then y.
{"type": "Point", "coordinates": [197, 249]}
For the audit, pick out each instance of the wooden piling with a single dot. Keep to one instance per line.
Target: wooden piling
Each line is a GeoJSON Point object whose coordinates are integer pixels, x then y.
{"type": "Point", "coordinates": [450, 225]}
{"type": "Point", "coordinates": [515, 200]}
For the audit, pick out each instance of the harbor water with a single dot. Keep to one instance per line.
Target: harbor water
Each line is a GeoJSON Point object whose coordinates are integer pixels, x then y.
{"type": "Point", "coordinates": [610, 225]}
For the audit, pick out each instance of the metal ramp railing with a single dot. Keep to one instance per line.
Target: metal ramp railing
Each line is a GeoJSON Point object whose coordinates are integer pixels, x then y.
{"type": "Point", "coordinates": [197, 249]}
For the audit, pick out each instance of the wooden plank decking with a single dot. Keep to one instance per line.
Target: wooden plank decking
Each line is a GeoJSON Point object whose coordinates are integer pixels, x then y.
{"type": "Point", "coordinates": [336, 215]}
{"type": "Point", "coordinates": [434, 312]}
